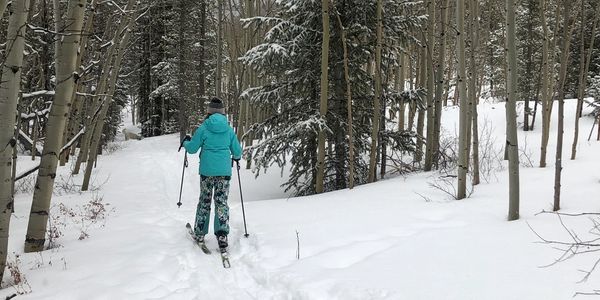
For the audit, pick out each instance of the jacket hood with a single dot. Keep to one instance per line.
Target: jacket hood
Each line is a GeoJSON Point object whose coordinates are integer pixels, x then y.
{"type": "Point", "coordinates": [217, 123]}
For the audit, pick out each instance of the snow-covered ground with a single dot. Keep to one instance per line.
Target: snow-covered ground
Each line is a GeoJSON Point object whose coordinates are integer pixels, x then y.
{"type": "Point", "coordinates": [395, 239]}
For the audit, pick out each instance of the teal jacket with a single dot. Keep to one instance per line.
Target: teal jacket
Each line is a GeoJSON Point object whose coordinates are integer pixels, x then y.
{"type": "Point", "coordinates": [217, 143]}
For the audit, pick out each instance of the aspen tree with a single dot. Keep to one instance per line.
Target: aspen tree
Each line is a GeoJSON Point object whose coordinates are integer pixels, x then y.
{"type": "Point", "coordinates": [585, 63]}
{"type": "Point", "coordinates": [429, 146]}
{"type": "Point", "coordinates": [219, 75]}
{"type": "Point", "coordinates": [463, 153]}
{"type": "Point", "coordinates": [107, 97]}
{"type": "Point", "coordinates": [324, 89]}
{"type": "Point", "coordinates": [566, 44]}
{"type": "Point", "coordinates": [377, 100]}
{"type": "Point", "coordinates": [439, 88]}
{"type": "Point", "coordinates": [66, 59]}
{"type": "Point", "coordinates": [473, 91]}
{"type": "Point", "coordinates": [9, 93]}
{"type": "Point", "coordinates": [548, 102]}
{"type": "Point", "coordinates": [349, 104]}
{"type": "Point", "coordinates": [512, 144]}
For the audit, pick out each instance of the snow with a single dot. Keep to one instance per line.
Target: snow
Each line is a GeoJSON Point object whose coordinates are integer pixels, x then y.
{"type": "Point", "coordinates": [378, 241]}
{"type": "Point", "coordinates": [38, 93]}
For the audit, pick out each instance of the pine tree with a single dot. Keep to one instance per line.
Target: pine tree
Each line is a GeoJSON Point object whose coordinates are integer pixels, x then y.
{"type": "Point", "coordinates": [286, 58]}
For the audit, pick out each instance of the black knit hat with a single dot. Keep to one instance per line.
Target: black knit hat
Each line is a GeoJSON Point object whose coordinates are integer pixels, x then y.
{"type": "Point", "coordinates": [216, 106]}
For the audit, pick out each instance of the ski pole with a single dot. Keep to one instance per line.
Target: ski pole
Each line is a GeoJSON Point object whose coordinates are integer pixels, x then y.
{"type": "Point", "coordinates": [242, 198]}
{"type": "Point", "coordinates": [185, 164]}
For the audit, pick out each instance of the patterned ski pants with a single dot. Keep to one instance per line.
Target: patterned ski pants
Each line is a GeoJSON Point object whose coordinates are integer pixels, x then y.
{"type": "Point", "coordinates": [219, 185]}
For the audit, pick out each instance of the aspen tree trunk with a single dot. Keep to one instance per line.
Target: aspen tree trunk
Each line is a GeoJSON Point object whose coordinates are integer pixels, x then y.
{"type": "Point", "coordinates": [468, 94]}
{"type": "Point", "coordinates": [511, 114]}
{"type": "Point", "coordinates": [183, 119]}
{"type": "Point", "coordinates": [473, 90]}
{"type": "Point", "coordinates": [14, 166]}
{"type": "Point", "coordinates": [96, 103]}
{"type": "Point", "coordinates": [377, 100]}
{"type": "Point", "coordinates": [413, 78]}
{"type": "Point", "coordinates": [598, 121]}
{"type": "Point", "coordinates": [547, 110]}
{"type": "Point", "coordinates": [529, 65]}
{"type": "Point", "coordinates": [98, 127]}
{"type": "Point", "coordinates": [429, 146]}
{"type": "Point", "coordinates": [133, 110]}
{"type": "Point", "coordinates": [463, 154]}
{"type": "Point", "coordinates": [236, 75]}
{"type": "Point", "coordinates": [545, 81]}
{"type": "Point", "coordinates": [400, 87]}
{"type": "Point", "coordinates": [245, 83]}
{"type": "Point", "coordinates": [349, 106]}
{"type": "Point", "coordinates": [58, 27]}
{"type": "Point", "coordinates": [564, 61]}
{"type": "Point", "coordinates": [449, 73]}
{"type": "Point", "coordinates": [76, 109]}
{"type": "Point", "coordinates": [324, 89]}
{"type": "Point", "coordinates": [439, 88]}
{"type": "Point", "coordinates": [65, 67]}
{"type": "Point", "coordinates": [583, 75]}
{"type": "Point", "coordinates": [34, 136]}
{"type": "Point", "coordinates": [382, 154]}
{"type": "Point", "coordinates": [252, 113]}
{"type": "Point", "coordinates": [202, 58]}
{"type": "Point", "coordinates": [3, 4]}
{"type": "Point", "coordinates": [219, 48]}
{"type": "Point", "coordinates": [9, 93]}
{"type": "Point", "coordinates": [420, 112]}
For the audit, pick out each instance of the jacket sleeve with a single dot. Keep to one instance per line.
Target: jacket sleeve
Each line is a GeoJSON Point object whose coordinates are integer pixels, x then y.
{"type": "Point", "coordinates": [234, 146]}
{"type": "Point", "coordinates": [197, 141]}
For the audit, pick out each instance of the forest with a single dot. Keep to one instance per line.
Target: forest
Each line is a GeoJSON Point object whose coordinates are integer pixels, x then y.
{"type": "Point", "coordinates": [328, 95]}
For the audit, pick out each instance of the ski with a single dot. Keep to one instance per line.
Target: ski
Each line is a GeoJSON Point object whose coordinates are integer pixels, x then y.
{"type": "Point", "coordinates": [225, 260]}
{"type": "Point", "coordinates": [202, 245]}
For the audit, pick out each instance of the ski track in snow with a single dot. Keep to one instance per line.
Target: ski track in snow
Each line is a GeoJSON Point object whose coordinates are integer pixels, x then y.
{"type": "Point", "coordinates": [145, 190]}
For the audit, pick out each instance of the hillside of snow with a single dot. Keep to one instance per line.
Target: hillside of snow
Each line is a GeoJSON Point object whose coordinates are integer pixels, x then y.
{"type": "Point", "coordinates": [398, 238]}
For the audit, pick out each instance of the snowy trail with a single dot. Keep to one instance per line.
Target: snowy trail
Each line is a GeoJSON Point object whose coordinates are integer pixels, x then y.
{"type": "Point", "coordinates": [378, 241]}
{"type": "Point", "coordinates": [146, 238]}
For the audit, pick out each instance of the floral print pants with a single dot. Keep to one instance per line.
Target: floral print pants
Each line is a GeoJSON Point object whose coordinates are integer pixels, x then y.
{"type": "Point", "coordinates": [219, 187]}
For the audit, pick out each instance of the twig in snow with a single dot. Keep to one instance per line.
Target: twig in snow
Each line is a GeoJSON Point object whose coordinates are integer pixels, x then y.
{"type": "Point", "coordinates": [567, 214]}
{"type": "Point", "coordinates": [576, 245]}
{"type": "Point", "coordinates": [298, 242]}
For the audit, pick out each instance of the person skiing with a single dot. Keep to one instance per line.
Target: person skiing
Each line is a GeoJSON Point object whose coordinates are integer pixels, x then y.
{"type": "Point", "coordinates": [219, 147]}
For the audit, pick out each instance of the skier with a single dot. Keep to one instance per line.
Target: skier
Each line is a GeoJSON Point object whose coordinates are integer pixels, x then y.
{"type": "Point", "coordinates": [219, 147]}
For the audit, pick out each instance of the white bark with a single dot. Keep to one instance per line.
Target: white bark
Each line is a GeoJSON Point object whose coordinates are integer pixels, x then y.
{"type": "Point", "coordinates": [128, 23]}
{"type": "Point", "coordinates": [3, 4]}
{"type": "Point", "coordinates": [585, 63]}
{"type": "Point", "coordinates": [9, 91]}
{"type": "Point", "coordinates": [463, 154]}
{"type": "Point", "coordinates": [65, 61]}
{"type": "Point", "coordinates": [564, 62]}
{"type": "Point", "coordinates": [429, 146]}
{"type": "Point", "coordinates": [376, 104]}
{"type": "Point", "coordinates": [324, 93]}
{"type": "Point", "coordinates": [511, 114]}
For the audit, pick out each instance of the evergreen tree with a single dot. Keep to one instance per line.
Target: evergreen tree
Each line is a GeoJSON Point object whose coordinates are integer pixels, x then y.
{"type": "Point", "coordinates": [286, 60]}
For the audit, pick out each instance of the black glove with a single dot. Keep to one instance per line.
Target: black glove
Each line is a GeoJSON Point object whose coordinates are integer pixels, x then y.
{"type": "Point", "coordinates": [186, 138]}
{"type": "Point", "coordinates": [237, 160]}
